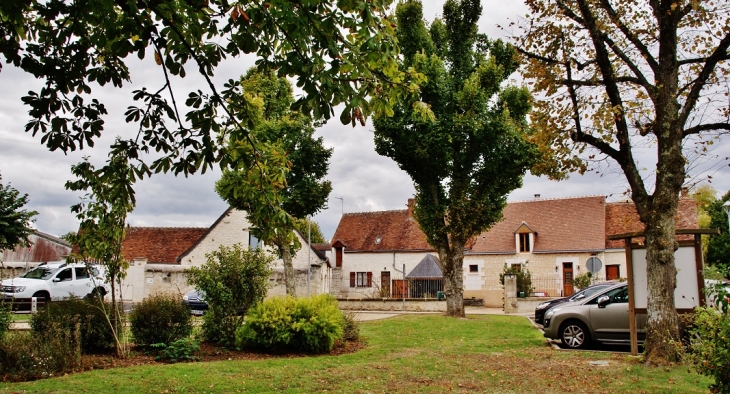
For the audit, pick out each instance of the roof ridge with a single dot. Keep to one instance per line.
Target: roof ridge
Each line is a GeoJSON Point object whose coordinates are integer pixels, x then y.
{"type": "Point", "coordinates": [558, 198]}
{"type": "Point", "coordinates": [389, 210]}
{"type": "Point", "coordinates": [163, 228]}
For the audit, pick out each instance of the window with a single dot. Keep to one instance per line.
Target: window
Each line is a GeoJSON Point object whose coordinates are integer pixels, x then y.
{"type": "Point", "coordinates": [612, 272]}
{"type": "Point", "coordinates": [64, 275]}
{"type": "Point", "coordinates": [81, 273]}
{"type": "Point", "coordinates": [361, 279]}
{"type": "Point", "coordinates": [253, 242]}
{"type": "Point", "coordinates": [525, 242]}
{"type": "Point", "coordinates": [473, 268]}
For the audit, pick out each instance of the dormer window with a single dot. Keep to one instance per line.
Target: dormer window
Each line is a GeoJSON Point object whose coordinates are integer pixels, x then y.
{"type": "Point", "coordinates": [524, 238]}
{"type": "Point", "coordinates": [525, 242]}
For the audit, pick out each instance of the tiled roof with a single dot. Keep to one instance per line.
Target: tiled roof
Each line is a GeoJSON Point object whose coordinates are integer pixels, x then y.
{"type": "Point", "coordinates": [564, 224]}
{"type": "Point", "coordinates": [380, 231]}
{"type": "Point", "coordinates": [622, 218]}
{"type": "Point", "coordinates": [428, 267]}
{"type": "Point", "coordinates": [160, 244]}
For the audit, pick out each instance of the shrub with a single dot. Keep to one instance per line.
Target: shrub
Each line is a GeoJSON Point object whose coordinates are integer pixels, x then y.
{"type": "Point", "coordinates": [583, 280]}
{"type": "Point", "coordinates": [351, 329]}
{"type": "Point", "coordinates": [6, 316]}
{"type": "Point", "coordinates": [709, 344]}
{"type": "Point", "coordinates": [27, 355]}
{"type": "Point", "coordinates": [233, 279]}
{"type": "Point", "coordinates": [94, 330]}
{"type": "Point", "coordinates": [181, 350]}
{"type": "Point", "coordinates": [523, 276]}
{"type": "Point", "coordinates": [304, 324]}
{"type": "Point", "coordinates": [161, 318]}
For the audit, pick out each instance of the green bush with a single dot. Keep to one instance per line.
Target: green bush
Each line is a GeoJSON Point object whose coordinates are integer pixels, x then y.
{"type": "Point", "coordinates": [161, 318]}
{"type": "Point", "coordinates": [351, 329]}
{"type": "Point", "coordinates": [181, 350]}
{"type": "Point", "coordinates": [232, 279]}
{"type": "Point", "coordinates": [6, 316]}
{"type": "Point", "coordinates": [28, 355]}
{"type": "Point", "coordinates": [523, 276]}
{"type": "Point", "coordinates": [311, 324]}
{"type": "Point", "coordinates": [91, 315]}
{"type": "Point", "coordinates": [709, 344]}
{"type": "Point", "coordinates": [583, 280]}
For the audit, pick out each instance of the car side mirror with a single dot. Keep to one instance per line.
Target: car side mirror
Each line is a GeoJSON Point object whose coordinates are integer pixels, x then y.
{"type": "Point", "coordinates": [603, 301]}
{"type": "Point", "coordinates": [56, 279]}
{"type": "Point", "coordinates": [580, 297]}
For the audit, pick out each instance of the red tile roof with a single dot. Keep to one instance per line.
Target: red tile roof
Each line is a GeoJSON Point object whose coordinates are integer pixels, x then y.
{"type": "Point", "coordinates": [160, 244]}
{"type": "Point", "coordinates": [622, 218]}
{"type": "Point", "coordinates": [380, 231]}
{"type": "Point", "coordinates": [562, 224]}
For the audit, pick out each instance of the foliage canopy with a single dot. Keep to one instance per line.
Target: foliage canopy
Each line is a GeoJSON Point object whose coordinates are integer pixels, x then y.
{"type": "Point", "coordinates": [617, 76]}
{"type": "Point", "coordinates": [473, 151]}
{"type": "Point", "coordinates": [14, 221]}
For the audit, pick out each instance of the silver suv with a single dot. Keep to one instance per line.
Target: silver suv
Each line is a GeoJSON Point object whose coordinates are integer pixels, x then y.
{"type": "Point", "coordinates": [55, 281]}
{"type": "Point", "coordinates": [601, 317]}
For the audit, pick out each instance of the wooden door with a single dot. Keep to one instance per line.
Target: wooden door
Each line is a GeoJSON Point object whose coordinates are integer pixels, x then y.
{"type": "Point", "coordinates": [612, 272]}
{"type": "Point", "coordinates": [567, 279]}
{"type": "Point", "coordinates": [385, 284]}
{"type": "Point", "coordinates": [400, 288]}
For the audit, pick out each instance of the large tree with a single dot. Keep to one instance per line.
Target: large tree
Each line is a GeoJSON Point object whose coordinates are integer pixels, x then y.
{"type": "Point", "coordinates": [14, 220]}
{"type": "Point", "coordinates": [631, 79]}
{"type": "Point", "coordinates": [339, 52]}
{"type": "Point", "coordinates": [467, 157]}
{"type": "Point", "coordinates": [264, 100]}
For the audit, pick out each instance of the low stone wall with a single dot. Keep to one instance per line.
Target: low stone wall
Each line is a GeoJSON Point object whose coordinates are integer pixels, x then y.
{"type": "Point", "coordinates": [390, 304]}
{"type": "Point", "coordinates": [525, 305]}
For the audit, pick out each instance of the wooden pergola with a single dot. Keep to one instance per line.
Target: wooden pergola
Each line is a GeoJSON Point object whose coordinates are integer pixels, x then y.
{"type": "Point", "coordinates": [630, 246]}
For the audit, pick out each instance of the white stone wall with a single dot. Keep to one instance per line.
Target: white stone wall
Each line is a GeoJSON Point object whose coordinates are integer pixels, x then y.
{"type": "Point", "coordinates": [375, 263]}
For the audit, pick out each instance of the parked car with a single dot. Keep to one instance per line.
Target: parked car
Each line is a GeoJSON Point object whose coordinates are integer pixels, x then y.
{"type": "Point", "coordinates": [195, 300]}
{"type": "Point", "coordinates": [55, 281]}
{"type": "Point", "coordinates": [543, 307]}
{"type": "Point", "coordinates": [600, 317]}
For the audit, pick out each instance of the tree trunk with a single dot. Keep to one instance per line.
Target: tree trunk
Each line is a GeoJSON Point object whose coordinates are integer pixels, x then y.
{"type": "Point", "coordinates": [454, 279]}
{"type": "Point", "coordinates": [289, 278]}
{"type": "Point", "coordinates": [662, 331]}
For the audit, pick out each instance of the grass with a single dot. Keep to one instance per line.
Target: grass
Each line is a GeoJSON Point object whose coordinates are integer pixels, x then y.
{"type": "Point", "coordinates": [413, 353]}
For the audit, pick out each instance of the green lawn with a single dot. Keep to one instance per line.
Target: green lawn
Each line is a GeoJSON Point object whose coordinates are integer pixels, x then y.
{"type": "Point", "coordinates": [414, 353]}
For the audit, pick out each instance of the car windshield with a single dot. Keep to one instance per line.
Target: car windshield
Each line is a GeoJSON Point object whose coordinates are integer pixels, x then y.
{"type": "Point", "coordinates": [42, 273]}
{"type": "Point", "coordinates": [587, 292]}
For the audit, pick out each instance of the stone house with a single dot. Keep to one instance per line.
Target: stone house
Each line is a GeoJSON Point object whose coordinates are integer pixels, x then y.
{"type": "Point", "coordinates": [158, 257]}
{"type": "Point", "coordinates": [552, 238]}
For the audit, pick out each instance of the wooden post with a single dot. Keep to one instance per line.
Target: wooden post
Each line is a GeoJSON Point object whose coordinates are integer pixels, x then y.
{"type": "Point", "coordinates": [632, 300]}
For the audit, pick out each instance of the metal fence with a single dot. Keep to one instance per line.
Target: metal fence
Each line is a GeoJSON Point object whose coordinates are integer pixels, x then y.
{"type": "Point", "coordinates": [388, 285]}
{"type": "Point", "coordinates": [551, 285]}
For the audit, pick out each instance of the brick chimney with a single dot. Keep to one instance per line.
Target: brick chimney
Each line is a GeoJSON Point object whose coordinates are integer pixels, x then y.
{"type": "Point", "coordinates": [411, 203]}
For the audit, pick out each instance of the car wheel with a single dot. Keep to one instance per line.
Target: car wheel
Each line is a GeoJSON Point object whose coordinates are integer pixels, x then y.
{"type": "Point", "coordinates": [43, 297]}
{"type": "Point", "coordinates": [574, 335]}
{"type": "Point", "coordinates": [97, 293]}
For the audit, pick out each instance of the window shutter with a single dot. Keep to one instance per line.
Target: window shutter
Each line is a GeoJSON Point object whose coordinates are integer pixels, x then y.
{"type": "Point", "coordinates": [370, 279]}
{"type": "Point", "coordinates": [352, 279]}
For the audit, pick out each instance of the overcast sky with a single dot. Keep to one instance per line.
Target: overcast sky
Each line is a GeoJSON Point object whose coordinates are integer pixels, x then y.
{"type": "Point", "coordinates": [362, 180]}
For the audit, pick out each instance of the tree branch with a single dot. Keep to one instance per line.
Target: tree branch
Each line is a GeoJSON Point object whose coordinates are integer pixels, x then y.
{"type": "Point", "coordinates": [718, 54]}
{"type": "Point", "coordinates": [606, 5]}
{"type": "Point", "coordinates": [705, 127]}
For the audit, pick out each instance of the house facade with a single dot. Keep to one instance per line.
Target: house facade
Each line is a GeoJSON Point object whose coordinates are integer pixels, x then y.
{"type": "Point", "coordinates": [552, 238]}
{"type": "Point", "coordinates": [159, 256]}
